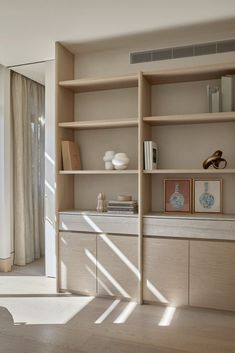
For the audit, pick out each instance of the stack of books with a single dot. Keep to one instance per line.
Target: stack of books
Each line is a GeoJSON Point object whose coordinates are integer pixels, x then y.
{"type": "Point", "coordinates": [150, 155]}
{"type": "Point", "coordinates": [126, 207]}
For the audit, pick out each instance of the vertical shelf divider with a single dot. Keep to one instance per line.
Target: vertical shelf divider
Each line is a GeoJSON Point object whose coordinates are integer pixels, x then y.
{"type": "Point", "coordinates": [144, 180]}
{"type": "Point", "coordinates": [64, 110]}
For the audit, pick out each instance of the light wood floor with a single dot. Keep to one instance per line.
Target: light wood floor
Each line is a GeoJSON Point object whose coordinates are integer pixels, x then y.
{"type": "Point", "coordinates": [36, 321]}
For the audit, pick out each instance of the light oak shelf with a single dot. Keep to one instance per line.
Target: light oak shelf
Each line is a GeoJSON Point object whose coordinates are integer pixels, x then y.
{"type": "Point", "coordinates": [167, 215]}
{"type": "Point", "coordinates": [100, 124]}
{"type": "Point", "coordinates": [190, 171]}
{"type": "Point", "coordinates": [202, 118]}
{"type": "Point", "coordinates": [98, 214]}
{"type": "Point", "coordinates": [100, 84]}
{"type": "Point", "coordinates": [98, 172]}
{"type": "Point", "coordinates": [207, 72]}
{"type": "Point", "coordinates": [206, 216]}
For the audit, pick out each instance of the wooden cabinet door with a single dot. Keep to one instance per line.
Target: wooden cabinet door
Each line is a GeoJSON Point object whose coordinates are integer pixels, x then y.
{"type": "Point", "coordinates": [212, 274]}
{"type": "Point", "coordinates": [117, 265]}
{"type": "Point", "coordinates": [166, 271]}
{"type": "Point", "coordinates": [78, 262]}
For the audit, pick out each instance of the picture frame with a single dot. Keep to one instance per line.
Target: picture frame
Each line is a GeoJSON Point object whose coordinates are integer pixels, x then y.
{"type": "Point", "coordinates": [178, 195]}
{"type": "Point", "coordinates": [208, 195]}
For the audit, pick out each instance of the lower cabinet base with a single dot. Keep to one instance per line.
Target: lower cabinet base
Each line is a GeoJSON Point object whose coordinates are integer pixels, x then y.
{"type": "Point", "coordinates": [166, 271]}
{"type": "Point", "coordinates": [176, 272]}
{"type": "Point", "coordinates": [99, 264]}
{"type": "Point", "coordinates": [212, 274]}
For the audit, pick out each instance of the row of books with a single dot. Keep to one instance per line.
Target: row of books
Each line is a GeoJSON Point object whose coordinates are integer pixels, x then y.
{"type": "Point", "coordinates": [221, 98]}
{"type": "Point", "coordinates": [150, 155]}
{"type": "Point", "coordinates": [124, 207]}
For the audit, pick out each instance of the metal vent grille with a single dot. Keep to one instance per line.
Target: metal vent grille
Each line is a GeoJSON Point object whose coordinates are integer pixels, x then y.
{"type": "Point", "coordinates": [183, 52]}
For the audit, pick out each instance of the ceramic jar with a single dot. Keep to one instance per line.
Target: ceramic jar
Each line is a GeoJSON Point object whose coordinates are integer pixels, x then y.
{"type": "Point", "coordinates": [120, 161]}
{"type": "Point", "coordinates": [108, 160]}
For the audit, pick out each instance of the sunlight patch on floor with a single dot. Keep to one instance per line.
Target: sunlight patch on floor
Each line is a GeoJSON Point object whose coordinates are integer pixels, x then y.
{"type": "Point", "coordinates": [44, 310]}
{"type": "Point", "coordinates": [126, 312]}
{"type": "Point", "coordinates": [13, 285]}
{"type": "Point", "coordinates": [167, 316]}
{"type": "Point", "coordinates": [107, 312]}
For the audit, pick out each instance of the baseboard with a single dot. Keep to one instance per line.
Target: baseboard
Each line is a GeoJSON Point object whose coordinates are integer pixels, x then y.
{"type": "Point", "coordinates": [5, 264]}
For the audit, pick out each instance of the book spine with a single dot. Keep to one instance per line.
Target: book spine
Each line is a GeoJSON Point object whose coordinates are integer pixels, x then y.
{"type": "Point", "coordinates": [145, 155]}
{"type": "Point", "coordinates": [215, 101]}
{"type": "Point", "coordinates": [227, 93]}
{"type": "Point", "coordinates": [150, 155]}
{"type": "Point", "coordinates": [121, 212]}
{"type": "Point", "coordinates": [114, 208]}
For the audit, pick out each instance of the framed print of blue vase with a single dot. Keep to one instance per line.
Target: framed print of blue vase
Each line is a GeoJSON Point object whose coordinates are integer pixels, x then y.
{"type": "Point", "coordinates": [177, 195]}
{"type": "Point", "coordinates": [208, 196]}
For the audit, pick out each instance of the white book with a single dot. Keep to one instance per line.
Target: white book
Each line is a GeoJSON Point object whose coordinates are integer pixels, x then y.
{"type": "Point", "coordinates": [227, 93]}
{"type": "Point", "coordinates": [148, 154]}
{"type": "Point", "coordinates": [145, 156]}
{"type": "Point", "coordinates": [153, 155]}
{"type": "Point", "coordinates": [215, 101]}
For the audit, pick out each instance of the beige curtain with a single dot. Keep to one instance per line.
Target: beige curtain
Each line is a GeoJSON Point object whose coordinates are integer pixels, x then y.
{"type": "Point", "coordinates": [28, 155]}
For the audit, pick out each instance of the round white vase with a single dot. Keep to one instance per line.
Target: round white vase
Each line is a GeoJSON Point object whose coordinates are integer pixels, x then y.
{"type": "Point", "coordinates": [108, 160]}
{"type": "Point", "coordinates": [120, 161]}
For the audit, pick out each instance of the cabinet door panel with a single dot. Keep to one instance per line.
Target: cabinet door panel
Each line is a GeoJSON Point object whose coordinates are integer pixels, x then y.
{"type": "Point", "coordinates": [212, 274]}
{"type": "Point", "coordinates": [166, 271]}
{"type": "Point", "coordinates": [117, 265]}
{"type": "Point", "coordinates": [78, 262]}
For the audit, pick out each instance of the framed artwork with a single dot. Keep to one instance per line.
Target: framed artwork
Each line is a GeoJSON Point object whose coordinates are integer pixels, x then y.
{"type": "Point", "coordinates": [207, 196]}
{"type": "Point", "coordinates": [177, 195]}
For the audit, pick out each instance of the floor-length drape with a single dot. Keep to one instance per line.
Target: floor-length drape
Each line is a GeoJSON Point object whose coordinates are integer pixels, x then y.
{"type": "Point", "coordinates": [28, 105]}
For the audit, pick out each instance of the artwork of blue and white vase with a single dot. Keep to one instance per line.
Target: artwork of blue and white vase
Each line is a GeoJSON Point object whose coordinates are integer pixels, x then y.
{"type": "Point", "coordinates": [206, 199]}
{"type": "Point", "coordinates": [177, 199]}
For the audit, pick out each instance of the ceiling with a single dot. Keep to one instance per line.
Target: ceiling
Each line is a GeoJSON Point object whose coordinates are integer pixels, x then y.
{"type": "Point", "coordinates": [29, 28]}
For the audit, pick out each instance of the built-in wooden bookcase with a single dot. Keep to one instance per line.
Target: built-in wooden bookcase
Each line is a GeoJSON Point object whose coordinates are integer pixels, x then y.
{"type": "Point", "coordinates": [120, 113]}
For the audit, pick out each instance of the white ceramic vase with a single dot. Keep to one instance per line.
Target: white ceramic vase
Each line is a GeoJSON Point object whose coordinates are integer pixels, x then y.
{"type": "Point", "coordinates": [108, 160]}
{"type": "Point", "coordinates": [120, 161]}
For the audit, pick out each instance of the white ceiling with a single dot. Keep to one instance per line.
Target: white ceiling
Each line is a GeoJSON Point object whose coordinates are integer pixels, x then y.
{"type": "Point", "coordinates": [29, 28]}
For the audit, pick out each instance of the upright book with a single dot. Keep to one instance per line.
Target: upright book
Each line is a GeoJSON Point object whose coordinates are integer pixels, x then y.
{"type": "Point", "coordinates": [150, 155]}
{"type": "Point", "coordinates": [227, 93]}
{"type": "Point", "coordinates": [71, 155]}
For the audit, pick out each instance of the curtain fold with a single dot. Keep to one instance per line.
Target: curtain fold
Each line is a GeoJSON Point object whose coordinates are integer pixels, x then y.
{"type": "Point", "coordinates": [28, 106]}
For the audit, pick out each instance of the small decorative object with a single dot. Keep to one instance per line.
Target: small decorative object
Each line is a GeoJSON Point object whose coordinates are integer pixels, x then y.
{"type": "Point", "coordinates": [122, 207]}
{"type": "Point", "coordinates": [213, 94]}
{"type": "Point", "coordinates": [101, 204]}
{"type": "Point", "coordinates": [215, 160]}
{"type": "Point", "coordinates": [108, 159]}
{"type": "Point", "coordinates": [120, 161]}
{"type": "Point", "coordinates": [208, 196]}
{"type": "Point", "coordinates": [124, 198]}
{"type": "Point", "coordinates": [177, 195]}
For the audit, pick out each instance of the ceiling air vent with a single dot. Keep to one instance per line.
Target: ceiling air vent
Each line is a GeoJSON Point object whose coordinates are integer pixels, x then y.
{"type": "Point", "coordinates": [183, 52]}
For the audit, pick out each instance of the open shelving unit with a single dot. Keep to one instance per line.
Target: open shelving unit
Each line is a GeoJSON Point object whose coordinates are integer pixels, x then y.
{"type": "Point", "coordinates": [141, 121]}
